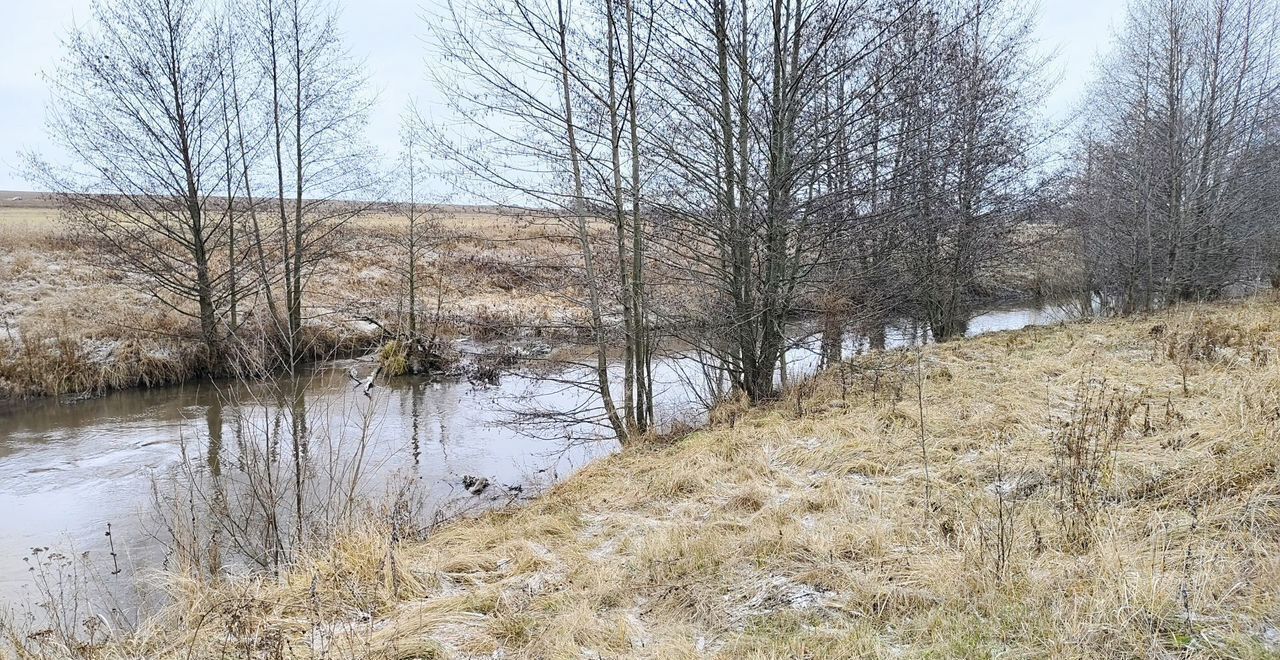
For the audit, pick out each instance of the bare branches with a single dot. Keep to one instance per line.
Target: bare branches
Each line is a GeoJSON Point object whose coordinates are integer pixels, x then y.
{"type": "Point", "coordinates": [1175, 184]}
{"type": "Point", "coordinates": [136, 101]}
{"type": "Point", "coordinates": [168, 107]}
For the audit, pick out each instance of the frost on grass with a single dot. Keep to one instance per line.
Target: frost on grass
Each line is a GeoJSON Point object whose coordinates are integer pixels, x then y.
{"type": "Point", "coordinates": [821, 535]}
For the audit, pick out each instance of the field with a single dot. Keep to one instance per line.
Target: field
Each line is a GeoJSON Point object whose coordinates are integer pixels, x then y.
{"type": "Point", "coordinates": [1094, 490]}
{"type": "Point", "coordinates": [68, 324]}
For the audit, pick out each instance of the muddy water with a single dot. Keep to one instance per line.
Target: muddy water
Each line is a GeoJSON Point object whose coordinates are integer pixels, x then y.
{"type": "Point", "coordinates": [67, 470]}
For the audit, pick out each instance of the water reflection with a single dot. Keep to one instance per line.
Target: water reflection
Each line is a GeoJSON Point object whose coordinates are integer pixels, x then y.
{"type": "Point", "coordinates": [263, 456]}
{"type": "Point", "coordinates": [267, 462]}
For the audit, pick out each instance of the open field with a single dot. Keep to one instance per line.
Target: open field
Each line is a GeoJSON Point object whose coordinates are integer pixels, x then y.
{"type": "Point", "coordinates": [1095, 490]}
{"type": "Point", "coordinates": [68, 324]}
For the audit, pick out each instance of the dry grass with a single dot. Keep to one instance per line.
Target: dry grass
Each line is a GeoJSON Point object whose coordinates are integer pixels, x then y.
{"type": "Point", "coordinates": [805, 530]}
{"type": "Point", "coordinates": [494, 274]}
{"type": "Point", "coordinates": [70, 325]}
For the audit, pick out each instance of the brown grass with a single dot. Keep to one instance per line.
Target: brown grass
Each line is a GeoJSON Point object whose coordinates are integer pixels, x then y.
{"type": "Point", "coordinates": [70, 325]}
{"type": "Point", "coordinates": [804, 531]}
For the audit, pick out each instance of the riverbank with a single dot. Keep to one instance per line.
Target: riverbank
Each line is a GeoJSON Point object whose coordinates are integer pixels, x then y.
{"type": "Point", "coordinates": [1102, 489]}
{"type": "Point", "coordinates": [71, 325]}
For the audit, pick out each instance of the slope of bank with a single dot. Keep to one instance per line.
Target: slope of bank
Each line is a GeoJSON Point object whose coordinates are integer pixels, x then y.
{"type": "Point", "coordinates": [1103, 489]}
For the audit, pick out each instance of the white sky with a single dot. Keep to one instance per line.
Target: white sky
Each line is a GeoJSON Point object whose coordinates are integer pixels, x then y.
{"type": "Point", "coordinates": [389, 35]}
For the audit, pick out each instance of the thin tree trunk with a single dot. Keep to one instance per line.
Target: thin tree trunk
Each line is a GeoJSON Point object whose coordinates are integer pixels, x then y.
{"type": "Point", "coordinates": [644, 387]}
{"type": "Point", "coordinates": [626, 294]}
{"type": "Point", "coordinates": [584, 237]}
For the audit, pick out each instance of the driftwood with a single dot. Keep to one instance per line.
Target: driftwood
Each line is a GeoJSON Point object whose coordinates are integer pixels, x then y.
{"type": "Point", "coordinates": [478, 485]}
{"type": "Point", "coordinates": [366, 384]}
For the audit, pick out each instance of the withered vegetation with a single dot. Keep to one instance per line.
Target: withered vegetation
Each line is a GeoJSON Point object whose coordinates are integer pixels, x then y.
{"type": "Point", "coordinates": [1098, 489]}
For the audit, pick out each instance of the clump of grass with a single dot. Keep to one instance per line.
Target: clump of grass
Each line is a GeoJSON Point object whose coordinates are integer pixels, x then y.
{"type": "Point", "coordinates": [730, 410]}
{"type": "Point", "coordinates": [394, 358]}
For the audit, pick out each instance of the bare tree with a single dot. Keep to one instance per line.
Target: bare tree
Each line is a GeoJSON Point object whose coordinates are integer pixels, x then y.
{"type": "Point", "coordinates": [1173, 186]}
{"type": "Point", "coordinates": [968, 136]}
{"type": "Point", "coordinates": [772, 142]}
{"type": "Point", "coordinates": [418, 349]}
{"type": "Point", "coordinates": [136, 101]}
{"type": "Point", "coordinates": [550, 100]}
{"type": "Point", "coordinates": [317, 109]}
{"type": "Point", "coordinates": [741, 210]}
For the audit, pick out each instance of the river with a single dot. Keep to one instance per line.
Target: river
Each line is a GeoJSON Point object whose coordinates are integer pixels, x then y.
{"type": "Point", "coordinates": [68, 470]}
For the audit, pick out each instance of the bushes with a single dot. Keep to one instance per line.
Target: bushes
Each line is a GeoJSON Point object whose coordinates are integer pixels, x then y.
{"type": "Point", "coordinates": [1197, 343]}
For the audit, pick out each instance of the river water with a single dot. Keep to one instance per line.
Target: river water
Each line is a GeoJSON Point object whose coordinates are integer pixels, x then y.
{"type": "Point", "coordinates": [68, 470]}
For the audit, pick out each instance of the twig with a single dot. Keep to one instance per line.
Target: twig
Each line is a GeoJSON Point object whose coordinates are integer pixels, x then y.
{"type": "Point", "coordinates": [924, 450]}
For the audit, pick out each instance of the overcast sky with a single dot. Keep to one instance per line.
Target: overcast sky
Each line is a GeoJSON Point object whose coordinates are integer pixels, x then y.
{"type": "Point", "coordinates": [389, 35]}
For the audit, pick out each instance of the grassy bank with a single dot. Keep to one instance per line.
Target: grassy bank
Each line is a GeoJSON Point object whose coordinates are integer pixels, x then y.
{"type": "Point", "coordinates": [70, 324]}
{"type": "Point", "coordinates": [1104, 489]}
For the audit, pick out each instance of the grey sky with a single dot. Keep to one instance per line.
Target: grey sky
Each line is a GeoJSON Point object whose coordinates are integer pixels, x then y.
{"type": "Point", "coordinates": [389, 35]}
